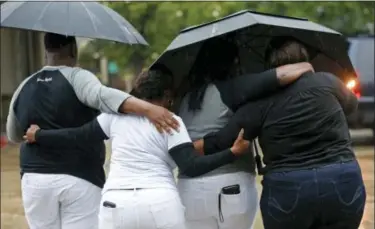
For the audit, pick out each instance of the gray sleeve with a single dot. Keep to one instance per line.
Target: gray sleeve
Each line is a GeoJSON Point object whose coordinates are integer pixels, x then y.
{"type": "Point", "coordinates": [91, 92]}
{"type": "Point", "coordinates": [14, 130]}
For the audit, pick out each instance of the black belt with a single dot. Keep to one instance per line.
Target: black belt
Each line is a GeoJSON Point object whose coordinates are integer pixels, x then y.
{"type": "Point", "coordinates": [130, 189]}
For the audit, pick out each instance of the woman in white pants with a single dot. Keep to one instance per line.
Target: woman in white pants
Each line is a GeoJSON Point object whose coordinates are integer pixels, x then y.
{"type": "Point", "coordinates": [140, 191]}
{"type": "Point", "coordinates": [214, 96]}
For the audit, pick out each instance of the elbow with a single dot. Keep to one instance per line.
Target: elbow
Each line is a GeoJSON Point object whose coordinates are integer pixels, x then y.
{"type": "Point", "coordinates": [14, 139]}
{"type": "Point", "coordinates": [352, 108]}
{"type": "Point", "coordinates": [190, 172]}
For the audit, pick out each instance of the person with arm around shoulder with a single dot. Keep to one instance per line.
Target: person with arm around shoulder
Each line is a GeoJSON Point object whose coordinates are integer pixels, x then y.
{"type": "Point", "coordinates": [61, 95]}
{"type": "Point", "coordinates": [214, 96]}
{"type": "Point", "coordinates": [140, 191]}
{"type": "Point", "coordinates": [306, 146]}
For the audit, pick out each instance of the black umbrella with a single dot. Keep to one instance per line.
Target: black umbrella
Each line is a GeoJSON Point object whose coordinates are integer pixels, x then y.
{"type": "Point", "coordinates": [251, 32]}
{"type": "Point", "coordinates": [71, 18]}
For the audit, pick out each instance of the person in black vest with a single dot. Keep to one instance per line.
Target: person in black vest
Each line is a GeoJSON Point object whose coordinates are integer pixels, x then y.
{"type": "Point", "coordinates": [311, 176]}
{"type": "Point", "coordinates": [61, 188]}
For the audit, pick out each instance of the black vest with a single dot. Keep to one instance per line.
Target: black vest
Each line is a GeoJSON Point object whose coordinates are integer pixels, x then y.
{"type": "Point", "coordinates": [48, 100]}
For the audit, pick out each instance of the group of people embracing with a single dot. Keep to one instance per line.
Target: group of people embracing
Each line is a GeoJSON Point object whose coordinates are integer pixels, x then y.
{"type": "Point", "coordinates": [311, 178]}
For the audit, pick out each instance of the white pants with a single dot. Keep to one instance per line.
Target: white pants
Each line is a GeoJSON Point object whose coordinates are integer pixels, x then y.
{"type": "Point", "coordinates": [200, 197]}
{"type": "Point", "coordinates": [142, 209]}
{"type": "Point", "coordinates": [59, 201]}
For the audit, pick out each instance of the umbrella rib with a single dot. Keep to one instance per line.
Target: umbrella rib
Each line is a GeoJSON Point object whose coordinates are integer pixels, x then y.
{"type": "Point", "coordinates": [42, 13]}
{"type": "Point", "coordinates": [7, 6]}
{"type": "Point", "coordinates": [91, 17]}
{"type": "Point", "coordinates": [121, 26]}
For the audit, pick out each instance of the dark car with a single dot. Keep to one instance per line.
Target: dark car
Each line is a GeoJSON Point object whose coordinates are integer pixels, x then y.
{"type": "Point", "coordinates": [361, 52]}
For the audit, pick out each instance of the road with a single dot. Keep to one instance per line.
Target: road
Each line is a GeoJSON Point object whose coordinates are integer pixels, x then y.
{"type": "Point", "coordinates": [11, 205]}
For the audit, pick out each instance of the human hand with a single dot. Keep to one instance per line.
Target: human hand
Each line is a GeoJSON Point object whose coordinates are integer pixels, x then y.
{"type": "Point", "coordinates": [162, 118]}
{"type": "Point", "coordinates": [29, 137]}
{"type": "Point", "coordinates": [289, 73]}
{"type": "Point", "coordinates": [240, 146]}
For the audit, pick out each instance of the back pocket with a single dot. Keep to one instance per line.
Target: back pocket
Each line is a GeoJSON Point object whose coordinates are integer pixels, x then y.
{"type": "Point", "coordinates": [235, 204]}
{"type": "Point", "coordinates": [195, 204]}
{"type": "Point", "coordinates": [280, 202]}
{"type": "Point", "coordinates": [168, 214]}
{"type": "Point", "coordinates": [106, 219]}
{"type": "Point", "coordinates": [351, 193]}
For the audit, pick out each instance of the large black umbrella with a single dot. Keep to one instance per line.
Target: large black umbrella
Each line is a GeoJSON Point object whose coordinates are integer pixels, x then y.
{"type": "Point", "coordinates": [251, 32]}
{"type": "Point", "coordinates": [71, 18]}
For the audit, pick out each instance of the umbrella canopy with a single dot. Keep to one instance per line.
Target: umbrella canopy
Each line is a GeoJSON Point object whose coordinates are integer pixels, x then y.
{"type": "Point", "coordinates": [71, 18]}
{"type": "Point", "coordinates": [252, 32]}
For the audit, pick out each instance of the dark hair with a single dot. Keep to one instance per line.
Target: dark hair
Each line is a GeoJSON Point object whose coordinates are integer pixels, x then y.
{"type": "Point", "coordinates": [213, 62]}
{"type": "Point", "coordinates": [285, 50]}
{"type": "Point", "coordinates": [152, 84]}
{"type": "Point", "coordinates": [54, 42]}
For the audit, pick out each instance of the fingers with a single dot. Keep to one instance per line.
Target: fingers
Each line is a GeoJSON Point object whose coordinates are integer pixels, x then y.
{"type": "Point", "coordinates": [159, 127]}
{"type": "Point", "coordinates": [309, 67]}
{"type": "Point", "coordinates": [240, 134]}
{"type": "Point", "coordinates": [169, 123]}
{"type": "Point", "coordinates": [173, 123]}
{"type": "Point", "coordinates": [166, 127]}
{"type": "Point", "coordinates": [247, 143]}
{"type": "Point", "coordinates": [26, 139]}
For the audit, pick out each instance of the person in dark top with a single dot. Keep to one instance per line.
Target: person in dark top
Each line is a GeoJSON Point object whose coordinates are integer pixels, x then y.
{"type": "Point", "coordinates": [215, 93]}
{"type": "Point", "coordinates": [254, 86]}
{"type": "Point", "coordinates": [311, 176]}
{"type": "Point", "coordinates": [60, 95]}
{"type": "Point", "coordinates": [140, 158]}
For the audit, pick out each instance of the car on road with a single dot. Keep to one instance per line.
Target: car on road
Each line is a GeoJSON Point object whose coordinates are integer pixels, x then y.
{"type": "Point", "coordinates": [361, 52]}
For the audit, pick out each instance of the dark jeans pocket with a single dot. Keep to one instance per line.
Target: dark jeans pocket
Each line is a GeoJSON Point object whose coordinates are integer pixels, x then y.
{"type": "Point", "coordinates": [350, 193]}
{"type": "Point", "coordinates": [279, 202]}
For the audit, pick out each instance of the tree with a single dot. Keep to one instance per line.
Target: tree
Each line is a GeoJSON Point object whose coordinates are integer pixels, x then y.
{"type": "Point", "coordinates": [160, 22]}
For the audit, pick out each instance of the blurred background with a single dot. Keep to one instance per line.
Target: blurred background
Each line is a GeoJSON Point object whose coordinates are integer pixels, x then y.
{"type": "Point", "coordinates": [116, 64]}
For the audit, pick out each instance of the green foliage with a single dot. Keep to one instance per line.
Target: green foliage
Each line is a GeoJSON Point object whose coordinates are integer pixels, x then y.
{"type": "Point", "coordinates": [160, 22]}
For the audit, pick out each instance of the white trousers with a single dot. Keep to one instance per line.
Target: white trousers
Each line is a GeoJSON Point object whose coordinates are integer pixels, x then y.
{"type": "Point", "coordinates": [200, 197]}
{"type": "Point", "coordinates": [142, 209]}
{"type": "Point", "coordinates": [59, 201]}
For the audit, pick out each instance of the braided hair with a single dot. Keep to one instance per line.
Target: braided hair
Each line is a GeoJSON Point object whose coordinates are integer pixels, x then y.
{"type": "Point", "coordinates": [213, 62]}
{"type": "Point", "coordinates": [153, 83]}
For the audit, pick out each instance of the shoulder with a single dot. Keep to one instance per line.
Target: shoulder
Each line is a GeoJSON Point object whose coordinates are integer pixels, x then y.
{"type": "Point", "coordinates": [326, 75]}
{"type": "Point", "coordinates": [105, 118]}
{"type": "Point", "coordinates": [218, 90]}
{"type": "Point", "coordinates": [327, 78]}
{"type": "Point", "coordinates": [76, 73]}
{"type": "Point", "coordinates": [182, 129]}
{"type": "Point", "coordinates": [22, 84]}
{"type": "Point", "coordinates": [178, 137]}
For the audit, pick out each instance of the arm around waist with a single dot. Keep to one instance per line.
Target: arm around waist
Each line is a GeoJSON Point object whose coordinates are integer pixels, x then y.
{"type": "Point", "coordinates": [192, 164]}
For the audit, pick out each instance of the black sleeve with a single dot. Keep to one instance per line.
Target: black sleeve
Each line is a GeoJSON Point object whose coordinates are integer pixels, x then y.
{"type": "Point", "coordinates": [237, 91]}
{"type": "Point", "coordinates": [347, 98]}
{"type": "Point", "coordinates": [71, 137]}
{"type": "Point", "coordinates": [192, 164]}
{"type": "Point", "coordinates": [249, 117]}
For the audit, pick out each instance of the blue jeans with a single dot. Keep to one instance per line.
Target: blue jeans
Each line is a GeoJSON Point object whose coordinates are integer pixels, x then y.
{"type": "Point", "coordinates": [331, 196]}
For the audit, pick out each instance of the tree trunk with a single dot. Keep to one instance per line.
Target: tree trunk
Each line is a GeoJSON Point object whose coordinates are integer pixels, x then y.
{"type": "Point", "coordinates": [137, 60]}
